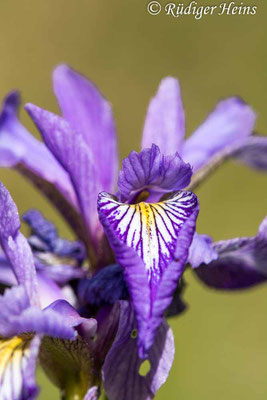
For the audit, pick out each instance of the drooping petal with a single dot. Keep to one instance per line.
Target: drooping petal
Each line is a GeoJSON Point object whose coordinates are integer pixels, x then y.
{"type": "Point", "coordinates": [87, 326]}
{"type": "Point", "coordinates": [231, 120]}
{"type": "Point", "coordinates": [201, 251]}
{"type": "Point", "coordinates": [242, 262]}
{"type": "Point", "coordinates": [121, 376]}
{"type": "Point", "coordinates": [17, 316]}
{"type": "Point", "coordinates": [73, 153]}
{"type": "Point", "coordinates": [165, 120]}
{"type": "Point", "coordinates": [18, 358]}
{"type": "Point", "coordinates": [19, 148]}
{"type": "Point", "coordinates": [152, 171]}
{"type": "Point", "coordinates": [15, 245]}
{"type": "Point", "coordinates": [90, 114]}
{"type": "Point", "coordinates": [253, 152]}
{"type": "Point", "coordinates": [151, 242]}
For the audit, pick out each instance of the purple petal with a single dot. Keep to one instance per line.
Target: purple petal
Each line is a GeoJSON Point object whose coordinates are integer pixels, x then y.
{"type": "Point", "coordinates": [60, 273]}
{"type": "Point", "coordinates": [152, 171]}
{"type": "Point", "coordinates": [15, 246]}
{"type": "Point", "coordinates": [121, 368]}
{"type": "Point", "coordinates": [90, 114]}
{"type": "Point", "coordinates": [17, 317]}
{"type": "Point", "coordinates": [19, 148]}
{"type": "Point", "coordinates": [73, 153]}
{"type": "Point", "coordinates": [17, 368]}
{"type": "Point", "coordinates": [165, 120]}
{"type": "Point", "coordinates": [253, 152]}
{"type": "Point", "coordinates": [201, 251]}
{"type": "Point", "coordinates": [151, 242]}
{"type": "Point", "coordinates": [92, 394]}
{"type": "Point", "coordinates": [48, 290]}
{"type": "Point", "coordinates": [231, 120]}
{"type": "Point", "coordinates": [242, 262]}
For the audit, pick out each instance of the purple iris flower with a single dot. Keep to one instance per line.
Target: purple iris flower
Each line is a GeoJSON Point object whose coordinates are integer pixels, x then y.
{"type": "Point", "coordinates": [137, 242]}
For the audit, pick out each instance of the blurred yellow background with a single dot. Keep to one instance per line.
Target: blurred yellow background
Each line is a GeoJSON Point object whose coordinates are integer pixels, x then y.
{"type": "Point", "coordinates": [221, 341]}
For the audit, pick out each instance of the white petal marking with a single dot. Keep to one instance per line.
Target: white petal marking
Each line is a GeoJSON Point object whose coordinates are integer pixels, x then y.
{"type": "Point", "coordinates": [14, 353]}
{"type": "Point", "coordinates": [151, 229]}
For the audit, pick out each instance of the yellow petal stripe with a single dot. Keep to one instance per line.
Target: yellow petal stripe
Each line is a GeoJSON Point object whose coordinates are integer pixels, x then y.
{"type": "Point", "coordinates": [14, 353]}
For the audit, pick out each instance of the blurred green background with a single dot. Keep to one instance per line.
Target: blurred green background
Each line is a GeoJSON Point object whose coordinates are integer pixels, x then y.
{"type": "Point", "coordinates": [221, 341]}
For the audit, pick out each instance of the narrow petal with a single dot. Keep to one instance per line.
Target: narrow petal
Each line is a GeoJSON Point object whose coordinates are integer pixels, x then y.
{"type": "Point", "coordinates": [19, 148]}
{"type": "Point", "coordinates": [242, 262]}
{"type": "Point", "coordinates": [15, 245]}
{"type": "Point", "coordinates": [201, 251]}
{"type": "Point", "coordinates": [90, 114]}
{"type": "Point", "coordinates": [253, 152]}
{"type": "Point", "coordinates": [122, 379]}
{"type": "Point", "coordinates": [152, 171]}
{"type": "Point", "coordinates": [18, 357]}
{"type": "Point", "coordinates": [73, 153]}
{"type": "Point", "coordinates": [165, 120]}
{"type": "Point", "coordinates": [17, 316]}
{"type": "Point", "coordinates": [92, 394]}
{"type": "Point", "coordinates": [151, 242]}
{"type": "Point", "coordinates": [231, 120]}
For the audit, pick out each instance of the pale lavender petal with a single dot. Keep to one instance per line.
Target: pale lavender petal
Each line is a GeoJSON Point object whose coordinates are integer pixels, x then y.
{"type": "Point", "coordinates": [59, 273]}
{"type": "Point", "coordinates": [165, 120]}
{"type": "Point", "coordinates": [201, 251]}
{"type": "Point", "coordinates": [121, 368]}
{"type": "Point", "coordinates": [15, 245]}
{"type": "Point", "coordinates": [242, 262]}
{"type": "Point", "coordinates": [74, 154]}
{"type": "Point", "coordinates": [87, 327]}
{"type": "Point", "coordinates": [253, 152]}
{"type": "Point", "coordinates": [91, 115]}
{"type": "Point", "coordinates": [19, 148]}
{"type": "Point", "coordinates": [92, 394]}
{"type": "Point", "coordinates": [231, 120]}
{"type": "Point", "coordinates": [152, 171]}
{"type": "Point", "coordinates": [151, 242]}
{"type": "Point", "coordinates": [48, 290]}
{"type": "Point", "coordinates": [17, 316]}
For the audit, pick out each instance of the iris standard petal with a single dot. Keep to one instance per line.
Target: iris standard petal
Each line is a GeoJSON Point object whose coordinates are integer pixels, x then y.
{"type": "Point", "coordinates": [18, 148]}
{"type": "Point", "coordinates": [90, 114]}
{"type": "Point", "coordinates": [165, 120]}
{"type": "Point", "coordinates": [152, 171]}
{"type": "Point", "coordinates": [74, 154]}
{"type": "Point", "coordinates": [121, 372]}
{"type": "Point", "coordinates": [15, 245]}
{"type": "Point", "coordinates": [242, 262]}
{"type": "Point", "coordinates": [151, 242]}
{"type": "Point", "coordinates": [231, 120]}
